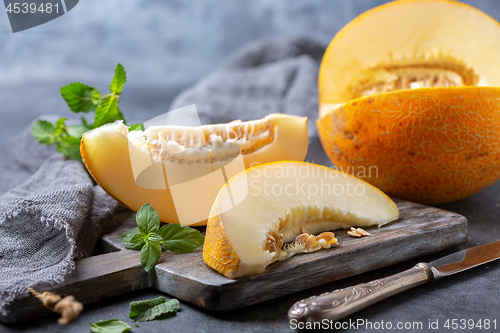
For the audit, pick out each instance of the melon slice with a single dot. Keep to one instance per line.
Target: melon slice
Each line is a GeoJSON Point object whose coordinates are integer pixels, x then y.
{"type": "Point", "coordinates": [411, 88]}
{"type": "Point", "coordinates": [410, 44]}
{"type": "Point", "coordinates": [187, 152]}
{"type": "Point", "coordinates": [284, 200]}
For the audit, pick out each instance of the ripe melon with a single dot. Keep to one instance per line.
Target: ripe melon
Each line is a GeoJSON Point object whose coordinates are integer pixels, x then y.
{"type": "Point", "coordinates": [285, 200]}
{"type": "Point", "coordinates": [187, 152]}
{"type": "Point", "coordinates": [409, 88]}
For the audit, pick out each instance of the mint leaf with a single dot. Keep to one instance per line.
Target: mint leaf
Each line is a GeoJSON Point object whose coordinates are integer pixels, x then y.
{"type": "Point", "coordinates": [77, 130]}
{"type": "Point", "coordinates": [136, 127]}
{"type": "Point", "coordinates": [156, 308]}
{"type": "Point", "coordinates": [147, 219]}
{"type": "Point", "coordinates": [154, 237]}
{"type": "Point", "coordinates": [61, 126]}
{"type": "Point", "coordinates": [80, 97]}
{"type": "Point", "coordinates": [139, 238]}
{"type": "Point", "coordinates": [148, 237]}
{"type": "Point", "coordinates": [107, 111]}
{"type": "Point", "coordinates": [120, 116]}
{"type": "Point", "coordinates": [118, 80]}
{"type": "Point", "coordinates": [44, 132]}
{"type": "Point", "coordinates": [110, 326]}
{"type": "Point", "coordinates": [180, 239]}
{"type": "Point", "coordinates": [127, 237]}
{"type": "Point", "coordinates": [150, 254]}
{"type": "Point", "coordinates": [69, 146]}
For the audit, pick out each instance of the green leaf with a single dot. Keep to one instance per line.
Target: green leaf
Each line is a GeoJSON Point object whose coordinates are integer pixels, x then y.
{"type": "Point", "coordinates": [120, 116]}
{"type": "Point", "coordinates": [69, 146]}
{"type": "Point", "coordinates": [136, 127]}
{"type": "Point", "coordinates": [147, 219]}
{"type": "Point", "coordinates": [96, 96]}
{"type": "Point", "coordinates": [127, 237]}
{"type": "Point", "coordinates": [118, 80]}
{"type": "Point", "coordinates": [139, 238]}
{"type": "Point", "coordinates": [154, 237]}
{"type": "Point", "coordinates": [77, 130]}
{"type": "Point", "coordinates": [156, 308]}
{"type": "Point", "coordinates": [44, 132]}
{"type": "Point", "coordinates": [61, 126]}
{"type": "Point", "coordinates": [110, 326]}
{"type": "Point", "coordinates": [180, 239]}
{"type": "Point", "coordinates": [80, 97]}
{"type": "Point", "coordinates": [107, 111]}
{"type": "Point", "coordinates": [150, 254]}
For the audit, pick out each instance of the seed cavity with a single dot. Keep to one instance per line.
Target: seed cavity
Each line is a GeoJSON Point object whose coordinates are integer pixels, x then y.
{"type": "Point", "coordinates": [435, 71]}
{"type": "Point", "coordinates": [212, 143]}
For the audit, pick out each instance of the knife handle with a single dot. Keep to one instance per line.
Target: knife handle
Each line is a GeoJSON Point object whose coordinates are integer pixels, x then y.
{"type": "Point", "coordinates": [338, 304]}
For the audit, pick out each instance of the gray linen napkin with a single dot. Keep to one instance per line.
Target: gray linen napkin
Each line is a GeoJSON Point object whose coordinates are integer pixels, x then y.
{"type": "Point", "coordinates": [50, 214]}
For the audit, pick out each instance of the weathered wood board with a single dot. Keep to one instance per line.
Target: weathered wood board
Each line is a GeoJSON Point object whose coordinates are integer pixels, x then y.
{"type": "Point", "coordinates": [420, 230]}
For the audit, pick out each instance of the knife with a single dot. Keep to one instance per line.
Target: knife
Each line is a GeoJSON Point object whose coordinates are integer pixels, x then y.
{"type": "Point", "coordinates": [341, 303]}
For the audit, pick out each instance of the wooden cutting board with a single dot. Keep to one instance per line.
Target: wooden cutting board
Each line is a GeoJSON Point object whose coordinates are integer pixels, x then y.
{"type": "Point", "coordinates": [420, 230]}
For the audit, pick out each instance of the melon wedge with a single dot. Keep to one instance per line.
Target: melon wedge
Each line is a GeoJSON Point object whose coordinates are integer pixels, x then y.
{"type": "Point", "coordinates": [411, 88]}
{"type": "Point", "coordinates": [189, 152]}
{"type": "Point", "coordinates": [283, 200]}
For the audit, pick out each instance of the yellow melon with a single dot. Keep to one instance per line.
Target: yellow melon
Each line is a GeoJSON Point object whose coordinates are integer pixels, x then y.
{"type": "Point", "coordinates": [408, 88]}
{"type": "Point", "coordinates": [284, 204]}
{"type": "Point", "coordinates": [134, 167]}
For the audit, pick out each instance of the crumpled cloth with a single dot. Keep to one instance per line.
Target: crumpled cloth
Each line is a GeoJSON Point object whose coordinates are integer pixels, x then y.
{"type": "Point", "coordinates": [50, 211]}
{"type": "Point", "coordinates": [50, 214]}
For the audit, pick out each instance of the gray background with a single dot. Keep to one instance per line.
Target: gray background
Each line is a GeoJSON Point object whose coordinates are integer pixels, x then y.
{"type": "Point", "coordinates": [166, 46]}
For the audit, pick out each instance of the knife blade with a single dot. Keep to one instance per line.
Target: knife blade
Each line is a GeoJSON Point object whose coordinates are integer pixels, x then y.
{"type": "Point", "coordinates": [338, 304]}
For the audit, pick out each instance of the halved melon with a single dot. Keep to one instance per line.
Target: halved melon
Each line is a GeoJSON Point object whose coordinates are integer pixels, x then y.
{"type": "Point", "coordinates": [188, 153]}
{"type": "Point", "coordinates": [283, 200]}
{"type": "Point", "coordinates": [398, 91]}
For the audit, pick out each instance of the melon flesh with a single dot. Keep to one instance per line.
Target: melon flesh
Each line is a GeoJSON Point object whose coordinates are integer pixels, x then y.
{"type": "Point", "coordinates": [188, 153]}
{"type": "Point", "coordinates": [282, 200]}
{"type": "Point", "coordinates": [410, 44]}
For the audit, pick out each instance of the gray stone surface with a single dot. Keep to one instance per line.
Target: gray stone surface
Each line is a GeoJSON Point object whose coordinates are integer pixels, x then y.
{"type": "Point", "coordinates": [168, 45]}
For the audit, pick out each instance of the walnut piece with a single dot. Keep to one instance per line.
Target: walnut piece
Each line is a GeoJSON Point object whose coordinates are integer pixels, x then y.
{"type": "Point", "coordinates": [68, 307]}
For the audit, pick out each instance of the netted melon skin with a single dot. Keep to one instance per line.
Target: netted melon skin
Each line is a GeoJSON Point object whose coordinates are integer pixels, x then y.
{"type": "Point", "coordinates": [433, 146]}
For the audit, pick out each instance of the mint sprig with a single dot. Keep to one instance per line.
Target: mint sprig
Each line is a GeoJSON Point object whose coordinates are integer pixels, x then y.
{"type": "Point", "coordinates": [109, 326]}
{"type": "Point", "coordinates": [156, 308]}
{"type": "Point", "coordinates": [82, 98]}
{"type": "Point", "coordinates": [148, 237]}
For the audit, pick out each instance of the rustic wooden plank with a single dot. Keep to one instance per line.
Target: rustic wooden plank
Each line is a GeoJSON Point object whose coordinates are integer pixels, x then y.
{"type": "Point", "coordinates": [419, 231]}
{"type": "Point", "coordinates": [94, 278]}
